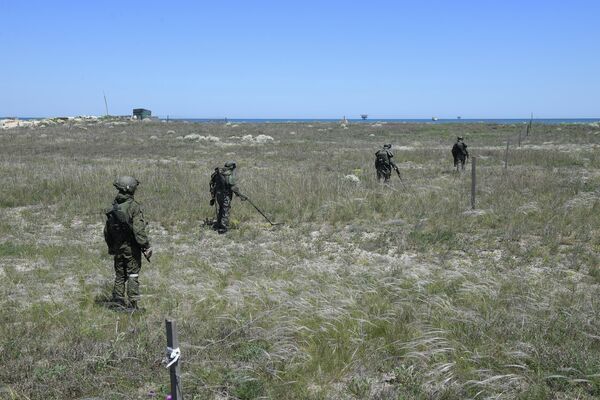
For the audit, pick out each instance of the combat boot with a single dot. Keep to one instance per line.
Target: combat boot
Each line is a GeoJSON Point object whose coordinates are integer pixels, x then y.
{"type": "Point", "coordinates": [117, 304]}
{"type": "Point", "coordinates": [134, 307]}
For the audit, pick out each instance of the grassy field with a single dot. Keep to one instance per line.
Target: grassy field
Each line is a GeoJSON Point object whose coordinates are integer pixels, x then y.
{"type": "Point", "coordinates": [368, 291]}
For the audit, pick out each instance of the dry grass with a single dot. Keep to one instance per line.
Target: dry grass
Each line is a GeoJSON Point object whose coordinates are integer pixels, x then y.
{"type": "Point", "coordinates": [368, 291]}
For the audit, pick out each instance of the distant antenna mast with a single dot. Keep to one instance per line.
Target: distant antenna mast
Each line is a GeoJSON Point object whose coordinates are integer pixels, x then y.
{"type": "Point", "coordinates": [529, 126]}
{"type": "Point", "coordinates": [105, 103]}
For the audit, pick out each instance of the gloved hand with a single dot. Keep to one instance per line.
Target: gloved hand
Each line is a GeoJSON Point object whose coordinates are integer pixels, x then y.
{"type": "Point", "coordinates": [212, 202]}
{"type": "Point", "coordinates": [148, 253]}
{"type": "Point", "coordinates": [242, 197]}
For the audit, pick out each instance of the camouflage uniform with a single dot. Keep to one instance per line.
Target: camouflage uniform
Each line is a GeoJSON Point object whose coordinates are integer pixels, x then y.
{"type": "Point", "coordinates": [125, 235]}
{"type": "Point", "coordinates": [460, 153]}
{"type": "Point", "coordinates": [384, 163]}
{"type": "Point", "coordinates": [222, 188]}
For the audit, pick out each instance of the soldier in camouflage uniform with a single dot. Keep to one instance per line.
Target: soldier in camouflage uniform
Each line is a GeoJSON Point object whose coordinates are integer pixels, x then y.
{"type": "Point", "coordinates": [125, 235]}
{"type": "Point", "coordinates": [460, 153]}
{"type": "Point", "coordinates": [384, 163]}
{"type": "Point", "coordinates": [222, 188]}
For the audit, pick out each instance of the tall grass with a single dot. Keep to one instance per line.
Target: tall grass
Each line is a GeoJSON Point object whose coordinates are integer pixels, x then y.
{"type": "Point", "coordinates": [368, 291]}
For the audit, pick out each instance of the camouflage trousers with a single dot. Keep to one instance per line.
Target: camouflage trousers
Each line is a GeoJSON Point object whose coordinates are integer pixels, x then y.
{"type": "Point", "coordinates": [127, 269]}
{"type": "Point", "coordinates": [383, 172]}
{"type": "Point", "coordinates": [459, 159]}
{"type": "Point", "coordinates": [224, 201]}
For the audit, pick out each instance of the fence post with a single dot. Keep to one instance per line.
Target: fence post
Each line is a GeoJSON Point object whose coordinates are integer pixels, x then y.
{"type": "Point", "coordinates": [173, 344]}
{"type": "Point", "coordinates": [473, 182]}
{"type": "Point", "coordinates": [520, 132]}
{"type": "Point", "coordinates": [506, 154]}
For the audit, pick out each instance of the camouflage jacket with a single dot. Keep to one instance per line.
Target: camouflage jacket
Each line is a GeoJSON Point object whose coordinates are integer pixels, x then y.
{"type": "Point", "coordinates": [132, 234]}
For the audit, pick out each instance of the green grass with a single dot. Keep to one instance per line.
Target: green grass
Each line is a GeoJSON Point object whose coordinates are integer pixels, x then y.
{"type": "Point", "coordinates": [367, 291]}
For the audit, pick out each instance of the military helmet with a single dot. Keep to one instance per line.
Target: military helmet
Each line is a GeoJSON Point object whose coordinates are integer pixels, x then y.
{"type": "Point", "coordinates": [387, 146]}
{"type": "Point", "coordinates": [460, 138]}
{"type": "Point", "coordinates": [230, 164]}
{"type": "Point", "coordinates": [126, 184]}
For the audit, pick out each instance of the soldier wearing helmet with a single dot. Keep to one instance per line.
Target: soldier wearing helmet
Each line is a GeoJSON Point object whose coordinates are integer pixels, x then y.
{"type": "Point", "coordinates": [384, 163]}
{"type": "Point", "coordinates": [460, 153]}
{"type": "Point", "coordinates": [222, 188]}
{"type": "Point", "coordinates": [126, 238]}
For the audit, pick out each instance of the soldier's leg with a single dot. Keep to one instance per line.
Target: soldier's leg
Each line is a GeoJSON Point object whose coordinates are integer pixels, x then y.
{"type": "Point", "coordinates": [134, 265]}
{"type": "Point", "coordinates": [387, 173]}
{"type": "Point", "coordinates": [221, 198]}
{"type": "Point", "coordinates": [217, 223]}
{"type": "Point", "coordinates": [225, 214]}
{"type": "Point", "coordinates": [120, 278]}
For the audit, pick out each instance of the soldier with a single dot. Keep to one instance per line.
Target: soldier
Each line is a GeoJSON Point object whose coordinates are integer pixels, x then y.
{"type": "Point", "coordinates": [222, 188]}
{"type": "Point", "coordinates": [125, 235]}
{"type": "Point", "coordinates": [384, 163]}
{"type": "Point", "coordinates": [459, 152]}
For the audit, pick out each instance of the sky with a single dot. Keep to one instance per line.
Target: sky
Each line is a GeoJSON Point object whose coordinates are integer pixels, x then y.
{"type": "Point", "coordinates": [301, 59]}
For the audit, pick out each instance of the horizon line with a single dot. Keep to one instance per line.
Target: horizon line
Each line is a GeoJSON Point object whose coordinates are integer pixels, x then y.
{"type": "Point", "coordinates": [165, 116]}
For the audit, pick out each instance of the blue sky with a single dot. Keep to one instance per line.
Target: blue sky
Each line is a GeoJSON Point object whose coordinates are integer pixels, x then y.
{"type": "Point", "coordinates": [301, 59]}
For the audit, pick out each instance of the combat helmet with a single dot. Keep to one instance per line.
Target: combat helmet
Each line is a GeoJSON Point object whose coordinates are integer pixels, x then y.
{"type": "Point", "coordinates": [387, 146]}
{"type": "Point", "coordinates": [230, 164]}
{"type": "Point", "coordinates": [459, 138]}
{"type": "Point", "coordinates": [126, 184]}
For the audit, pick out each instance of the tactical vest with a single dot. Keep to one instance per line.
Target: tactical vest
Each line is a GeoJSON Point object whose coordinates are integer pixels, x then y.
{"type": "Point", "coordinates": [118, 225]}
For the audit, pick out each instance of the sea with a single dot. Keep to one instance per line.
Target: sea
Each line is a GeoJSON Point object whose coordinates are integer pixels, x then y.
{"type": "Point", "coordinates": [502, 121]}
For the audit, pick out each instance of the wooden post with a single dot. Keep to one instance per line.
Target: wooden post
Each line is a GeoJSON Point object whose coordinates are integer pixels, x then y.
{"type": "Point", "coordinates": [520, 131]}
{"type": "Point", "coordinates": [506, 154]}
{"type": "Point", "coordinates": [105, 103]}
{"type": "Point", "coordinates": [473, 182]}
{"type": "Point", "coordinates": [173, 343]}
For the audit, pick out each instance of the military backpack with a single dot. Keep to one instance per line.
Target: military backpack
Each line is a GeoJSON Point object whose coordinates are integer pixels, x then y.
{"type": "Point", "coordinates": [383, 157]}
{"type": "Point", "coordinates": [118, 226]}
{"type": "Point", "coordinates": [222, 180]}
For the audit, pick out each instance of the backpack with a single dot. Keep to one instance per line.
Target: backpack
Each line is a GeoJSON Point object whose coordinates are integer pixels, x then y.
{"type": "Point", "coordinates": [221, 180]}
{"type": "Point", "coordinates": [383, 157]}
{"type": "Point", "coordinates": [459, 149]}
{"type": "Point", "coordinates": [118, 227]}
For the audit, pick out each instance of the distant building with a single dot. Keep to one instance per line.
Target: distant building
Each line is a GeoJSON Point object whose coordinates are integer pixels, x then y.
{"type": "Point", "coordinates": [141, 113]}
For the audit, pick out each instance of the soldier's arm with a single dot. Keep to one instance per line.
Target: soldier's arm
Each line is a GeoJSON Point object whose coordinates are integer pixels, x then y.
{"type": "Point", "coordinates": [236, 191]}
{"type": "Point", "coordinates": [392, 163]}
{"type": "Point", "coordinates": [108, 239]}
{"type": "Point", "coordinates": [139, 226]}
{"type": "Point", "coordinates": [213, 183]}
{"type": "Point", "coordinates": [105, 232]}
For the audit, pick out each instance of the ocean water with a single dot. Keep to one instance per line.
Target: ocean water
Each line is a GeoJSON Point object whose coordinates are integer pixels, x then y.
{"type": "Point", "coordinates": [503, 121]}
